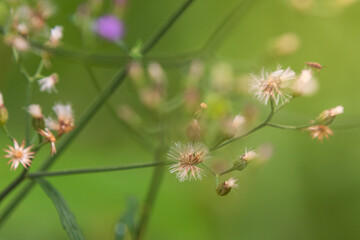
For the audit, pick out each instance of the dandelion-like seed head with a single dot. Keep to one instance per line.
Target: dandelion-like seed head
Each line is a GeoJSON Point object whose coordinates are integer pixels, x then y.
{"type": "Point", "coordinates": [320, 132]}
{"type": "Point", "coordinates": [187, 157]}
{"type": "Point", "coordinates": [65, 119]}
{"type": "Point", "coordinates": [272, 85]}
{"type": "Point", "coordinates": [19, 154]}
{"type": "Point", "coordinates": [48, 83]}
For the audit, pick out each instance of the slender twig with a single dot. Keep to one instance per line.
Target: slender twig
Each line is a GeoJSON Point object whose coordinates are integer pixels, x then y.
{"type": "Point", "coordinates": [226, 171]}
{"type": "Point", "coordinates": [286, 127]}
{"type": "Point", "coordinates": [96, 169]}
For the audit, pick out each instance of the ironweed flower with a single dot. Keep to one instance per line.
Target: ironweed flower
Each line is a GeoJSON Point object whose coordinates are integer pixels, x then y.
{"type": "Point", "coordinates": [65, 119]}
{"type": "Point", "coordinates": [19, 154]}
{"type": "Point", "coordinates": [224, 188]}
{"type": "Point", "coordinates": [49, 137]}
{"type": "Point", "coordinates": [109, 27]}
{"type": "Point", "coordinates": [48, 83]}
{"type": "Point", "coordinates": [320, 132]}
{"type": "Point", "coordinates": [187, 156]}
{"type": "Point", "coordinates": [272, 85]}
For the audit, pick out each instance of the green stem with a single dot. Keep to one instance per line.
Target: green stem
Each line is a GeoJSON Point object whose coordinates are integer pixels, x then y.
{"type": "Point", "coordinates": [226, 171]}
{"type": "Point", "coordinates": [96, 170]}
{"type": "Point", "coordinates": [288, 127]}
{"type": "Point", "coordinates": [27, 115]}
{"type": "Point", "coordinates": [7, 133]}
{"type": "Point", "coordinates": [261, 125]}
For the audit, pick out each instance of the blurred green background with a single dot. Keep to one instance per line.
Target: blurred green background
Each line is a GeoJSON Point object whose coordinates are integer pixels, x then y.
{"type": "Point", "coordinates": [308, 190]}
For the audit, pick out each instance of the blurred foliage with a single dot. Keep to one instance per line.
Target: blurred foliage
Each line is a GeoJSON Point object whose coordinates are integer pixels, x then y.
{"type": "Point", "coordinates": [308, 190]}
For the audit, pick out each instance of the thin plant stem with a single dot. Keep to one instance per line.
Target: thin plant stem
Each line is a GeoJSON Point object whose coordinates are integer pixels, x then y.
{"type": "Point", "coordinates": [7, 133]}
{"type": "Point", "coordinates": [152, 192]}
{"type": "Point", "coordinates": [286, 127]}
{"type": "Point", "coordinates": [261, 125]}
{"type": "Point", "coordinates": [97, 104]}
{"type": "Point", "coordinates": [27, 115]}
{"type": "Point", "coordinates": [226, 171]}
{"type": "Point", "coordinates": [137, 135]}
{"type": "Point", "coordinates": [96, 169]}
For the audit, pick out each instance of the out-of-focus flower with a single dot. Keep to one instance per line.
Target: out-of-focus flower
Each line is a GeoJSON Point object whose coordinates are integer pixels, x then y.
{"type": "Point", "coordinates": [4, 115]}
{"type": "Point", "coordinates": [136, 73]}
{"type": "Point", "coordinates": [284, 45]}
{"type": "Point", "coordinates": [272, 85]}
{"type": "Point", "coordinates": [305, 84]}
{"type": "Point", "coordinates": [187, 157]}
{"type": "Point", "coordinates": [127, 114]}
{"type": "Point", "coordinates": [224, 188]}
{"type": "Point", "coordinates": [49, 137]}
{"type": "Point", "coordinates": [56, 35]}
{"type": "Point", "coordinates": [234, 126]}
{"type": "Point", "coordinates": [302, 5]}
{"type": "Point", "coordinates": [193, 131]}
{"type": "Point", "coordinates": [48, 83]}
{"type": "Point", "coordinates": [65, 119]}
{"type": "Point", "coordinates": [18, 42]}
{"type": "Point", "coordinates": [35, 111]}
{"type": "Point", "coordinates": [320, 132]}
{"type": "Point", "coordinates": [156, 73]}
{"type": "Point", "coordinates": [109, 27]}
{"type": "Point", "coordinates": [241, 163]}
{"type": "Point", "coordinates": [222, 77]}
{"type": "Point", "coordinates": [19, 154]}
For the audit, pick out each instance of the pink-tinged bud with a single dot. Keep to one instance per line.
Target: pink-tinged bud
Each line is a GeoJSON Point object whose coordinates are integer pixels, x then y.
{"type": "Point", "coordinates": [18, 42]}
{"type": "Point", "coordinates": [37, 117]}
{"type": "Point", "coordinates": [56, 35]}
{"type": "Point", "coordinates": [224, 188]}
{"type": "Point", "coordinates": [327, 116]}
{"type": "Point", "coordinates": [4, 115]}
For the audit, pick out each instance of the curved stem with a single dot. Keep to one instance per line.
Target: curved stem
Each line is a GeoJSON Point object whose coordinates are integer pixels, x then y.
{"type": "Point", "coordinates": [96, 170]}
{"type": "Point", "coordinates": [288, 127]}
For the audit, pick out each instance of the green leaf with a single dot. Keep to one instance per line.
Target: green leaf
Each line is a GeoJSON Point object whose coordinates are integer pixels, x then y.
{"type": "Point", "coordinates": [126, 223]}
{"type": "Point", "coordinates": [67, 218]}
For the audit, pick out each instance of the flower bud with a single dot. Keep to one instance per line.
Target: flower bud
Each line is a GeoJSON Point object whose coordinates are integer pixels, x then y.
{"type": "Point", "coordinates": [244, 160]}
{"type": "Point", "coordinates": [37, 117]}
{"type": "Point", "coordinates": [327, 116]}
{"type": "Point", "coordinates": [4, 115]}
{"type": "Point", "coordinates": [224, 188]}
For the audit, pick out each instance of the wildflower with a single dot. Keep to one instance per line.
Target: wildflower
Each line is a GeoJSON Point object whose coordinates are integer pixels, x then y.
{"type": "Point", "coordinates": [271, 85]}
{"type": "Point", "coordinates": [202, 110]}
{"type": "Point", "coordinates": [4, 115]}
{"type": "Point", "coordinates": [37, 117]}
{"type": "Point", "coordinates": [320, 131]}
{"type": "Point", "coordinates": [156, 73]}
{"type": "Point", "coordinates": [188, 156]}
{"type": "Point", "coordinates": [222, 77]}
{"type": "Point", "coordinates": [305, 84]}
{"type": "Point", "coordinates": [109, 27]}
{"type": "Point", "coordinates": [234, 126]}
{"type": "Point", "coordinates": [327, 116]}
{"type": "Point", "coordinates": [56, 35]}
{"type": "Point", "coordinates": [284, 45]}
{"type": "Point", "coordinates": [48, 83]}
{"type": "Point", "coordinates": [18, 42]}
{"type": "Point", "coordinates": [224, 188]}
{"type": "Point", "coordinates": [22, 29]}
{"type": "Point", "coordinates": [49, 137]}
{"type": "Point", "coordinates": [35, 111]}
{"type": "Point", "coordinates": [65, 119]}
{"type": "Point", "coordinates": [243, 161]}
{"type": "Point", "coordinates": [19, 154]}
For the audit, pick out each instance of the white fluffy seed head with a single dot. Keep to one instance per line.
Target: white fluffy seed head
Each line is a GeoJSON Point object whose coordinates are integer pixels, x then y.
{"type": "Point", "coordinates": [35, 111]}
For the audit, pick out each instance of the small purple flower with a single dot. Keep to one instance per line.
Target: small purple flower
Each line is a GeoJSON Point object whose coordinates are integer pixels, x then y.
{"type": "Point", "coordinates": [109, 27]}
